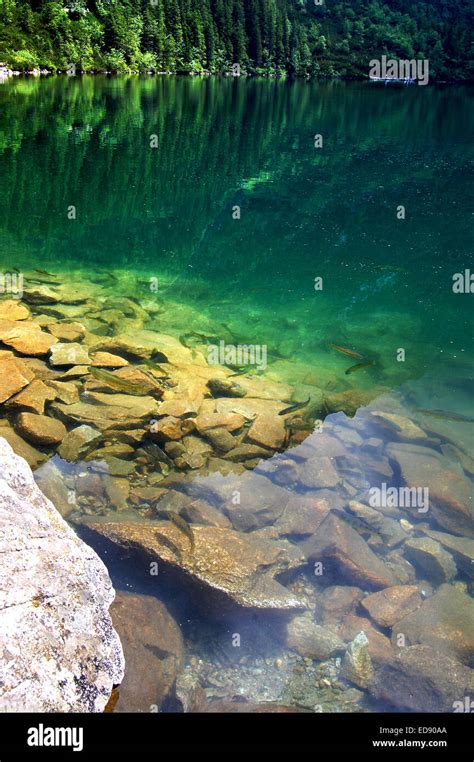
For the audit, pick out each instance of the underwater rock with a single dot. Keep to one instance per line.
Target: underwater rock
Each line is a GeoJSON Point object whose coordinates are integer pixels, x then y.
{"type": "Point", "coordinates": [268, 431]}
{"type": "Point", "coordinates": [145, 344]}
{"type": "Point", "coordinates": [450, 492]}
{"type": "Point", "coordinates": [379, 646]}
{"type": "Point", "coordinates": [79, 442]}
{"type": "Point", "coordinates": [153, 648]}
{"type": "Point", "coordinates": [67, 331]}
{"type": "Point", "coordinates": [220, 387]}
{"type": "Point", "coordinates": [390, 605]}
{"type": "Point", "coordinates": [250, 502]}
{"type": "Point", "coordinates": [26, 337]}
{"type": "Point", "coordinates": [336, 603]}
{"type": "Point", "coordinates": [221, 439]}
{"type": "Point", "coordinates": [107, 360]}
{"type": "Point", "coordinates": [389, 529]}
{"type": "Point", "coordinates": [110, 416]}
{"type": "Point", "coordinates": [437, 564]}
{"type": "Point", "coordinates": [461, 548]}
{"type": "Point", "coordinates": [40, 429]}
{"type": "Point", "coordinates": [311, 640]}
{"type": "Point", "coordinates": [236, 568]}
{"type": "Point", "coordinates": [357, 664]}
{"type": "Point", "coordinates": [199, 512]}
{"type": "Point", "coordinates": [177, 408]}
{"type": "Point", "coordinates": [171, 429]}
{"type": "Point", "coordinates": [14, 376]}
{"type": "Point", "coordinates": [319, 473]}
{"type": "Point", "coordinates": [302, 515]}
{"type": "Point", "coordinates": [12, 309]}
{"type": "Point", "coordinates": [404, 428]}
{"type": "Point", "coordinates": [69, 354]}
{"type": "Point", "coordinates": [340, 545]}
{"type": "Point", "coordinates": [60, 653]}
{"type": "Point", "coordinates": [32, 456]}
{"type": "Point", "coordinates": [50, 480]}
{"type": "Point", "coordinates": [33, 398]}
{"type": "Point", "coordinates": [40, 295]}
{"type": "Point", "coordinates": [445, 621]}
{"type": "Point", "coordinates": [213, 420]}
{"type": "Point", "coordinates": [247, 452]}
{"type": "Point", "coordinates": [117, 490]}
{"type": "Point", "coordinates": [422, 679]}
{"type": "Point", "coordinates": [65, 391]}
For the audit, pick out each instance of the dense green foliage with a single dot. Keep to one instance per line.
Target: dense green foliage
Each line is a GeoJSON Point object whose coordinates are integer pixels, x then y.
{"type": "Point", "coordinates": [338, 37]}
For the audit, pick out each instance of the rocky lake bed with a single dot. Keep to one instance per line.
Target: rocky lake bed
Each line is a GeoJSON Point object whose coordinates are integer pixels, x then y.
{"type": "Point", "coordinates": [263, 561]}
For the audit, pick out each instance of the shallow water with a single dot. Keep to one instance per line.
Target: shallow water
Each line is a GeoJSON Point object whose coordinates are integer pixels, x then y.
{"type": "Point", "coordinates": [149, 235]}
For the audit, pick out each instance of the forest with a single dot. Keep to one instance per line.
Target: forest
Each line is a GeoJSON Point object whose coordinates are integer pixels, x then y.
{"type": "Point", "coordinates": [312, 38]}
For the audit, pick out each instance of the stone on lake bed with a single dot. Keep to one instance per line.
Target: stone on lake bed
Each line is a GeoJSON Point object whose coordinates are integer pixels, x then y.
{"type": "Point", "coordinates": [428, 555]}
{"type": "Point", "coordinates": [14, 376]}
{"type": "Point", "coordinates": [357, 664]}
{"type": "Point", "coordinates": [26, 337]}
{"type": "Point", "coordinates": [112, 416]}
{"type": "Point", "coordinates": [461, 548]}
{"type": "Point", "coordinates": [153, 649]}
{"type": "Point", "coordinates": [390, 605]}
{"type": "Point", "coordinates": [79, 442]}
{"type": "Point", "coordinates": [229, 421]}
{"type": "Point", "coordinates": [171, 429]}
{"type": "Point", "coordinates": [245, 452]}
{"type": "Point", "coordinates": [13, 309]}
{"type": "Point", "coordinates": [67, 331]}
{"type": "Point", "coordinates": [33, 398]}
{"type": "Point", "coordinates": [450, 492]}
{"type": "Point", "coordinates": [445, 621]}
{"type": "Point", "coordinates": [311, 640]}
{"type": "Point", "coordinates": [302, 515]}
{"type": "Point", "coordinates": [336, 542]}
{"type": "Point", "coordinates": [336, 602]}
{"type": "Point", "coordinates": [40, 429]}
{"type": "Point", "coordinates": [41, 295]}
{"type": "Point", "coordinates": [268, 431]}
{"type": "Point", "coordinates": [107, 360]}
{"type": "Point", "coordinates": [32, 456]}
{"type": "Point", "coordinates": [422, 679]}
{"type": "Point", "coordinates": [231, 565]}
{"type": "Point", "coordinates": [69, 354]}
{"type": "Point", "coordinates": [65, 391]}
{"type": "Point", "coordinates": [403, 427]}
{"type": "Point", "coordinates": [319, 473]}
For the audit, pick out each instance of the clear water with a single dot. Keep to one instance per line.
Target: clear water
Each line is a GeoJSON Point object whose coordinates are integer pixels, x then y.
{"type": "Point", "coordinates": [166, 215]}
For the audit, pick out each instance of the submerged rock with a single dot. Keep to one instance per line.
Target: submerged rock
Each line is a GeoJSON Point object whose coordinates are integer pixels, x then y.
{"type": "Point", "coordinates": [336, 602]}
{"type": "Point", "coordinates": [461, 548]}
{"type": "Point", "coordinates": [233, 566]}
{"type": "Point", "coordinates": [69, 354]}
{"type": "Point", "coordinates": [311, 640]}
{"type": "Point", "coordinates": [14, 376]}
{"type": "Point", "coordinates": [340, 545]}
{"type": "Point", "coordinates": [390, 605]}
{"type": "Point", "coordinates": [67, 331]}
{"type": "Point", "coordinates": [13, 309]}
{"type": "Point", "coordinates": [60, 652]}
{"type": "Point", "coordinates": [153, 648]}
{"type": "Point", "coordinates": [436, 564]}
{"type": "Point", "coordinates": [422, 679]}
{"type": "Point", "coordinates": [26, 337]}
{"type": "Point", "coordinates": [79, 442]}
{"type": "Point", "coordinates": [33, 398]}
{"type": "Point", "coordinates": [32, 456]}
{"type": "Point", "coordinates": [40, 429]}
{"type": "Point", "coordinates": [445, 621]}
{"type": "Point", "coordinates": [357, 664]}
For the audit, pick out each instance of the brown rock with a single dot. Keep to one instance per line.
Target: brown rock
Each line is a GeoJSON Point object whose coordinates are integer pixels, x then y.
{"type": "Point", "coordinates": [107, 360]}
{"type": "Point", "coordinates": [248, 452]}
{"type": "Point", "coordinates": [311, 640]}
{"type": "Point", "coordinates": [169, 428]}
{"type": "Point", "coordinates": [229, 421]}
{"type": "Point", "coordinates": [229, 564]}
{"type": "Point", "coordinates": [26, 337]}
{"type": "Point", "coordinates": [153, 648]}
{"type": "Point", "coordinates": [177, 408]}
{"type": "Point", "coordinates": [67, 331]}
{"type": "Point", "coordinates": [110, 416]}
{"type": "Point", "coordinates": [33, 398]}
{"type": "Point", "coordinates": [436, 564]}
{"type": "Point", "coordinates": [450, 493]}
{"type": "Point", "coordinates": [390, 605]}
{"type": "Point", "coordinates": [379, 646]}
{"type": "Point", "coordinates": [403, 427]}
{"type": "Point", "coordinates": [302, 515]}
{"type": "Point", "coordinates": [357, 664]}
{"type": "Point", "coordinates": [117, 490]}
{"type": "Point", "coordinates": [336, 602]}
{"type": "Point", "coordinates": [79, 442]}
{"type": "Point", "coordinates": [340, 545]}
{"type": "Point", "coordinates": [40, 429]}
{"type": "Point", "coordinates": [32, 456]}
{"type": "Point", "coordinates": [12, 309]}
{"type": "Point", "coordinates": [319, 473]}
{"type": "Point", "coordinates": [461, 548]}
{"type": "Point", "coordinates": [14, 376]}
{"type": "Point", "coordinates": [445, 621]}
{"type": "Point", "coordinates": [65, 391]}
{"type": "Point", "coordinates": [422, 679]}
{"type": "Point", "coordinates": [69, 354]}
{"type": "Point", "coordinates": [268, 431]}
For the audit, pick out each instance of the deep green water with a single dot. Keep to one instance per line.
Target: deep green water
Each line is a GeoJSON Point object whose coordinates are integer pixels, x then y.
{"type": "Point", "coordinates": [166, 212]}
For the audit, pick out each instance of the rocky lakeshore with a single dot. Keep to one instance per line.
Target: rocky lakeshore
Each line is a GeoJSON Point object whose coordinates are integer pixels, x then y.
{"type": "Point", "coordinates": [312, 596]}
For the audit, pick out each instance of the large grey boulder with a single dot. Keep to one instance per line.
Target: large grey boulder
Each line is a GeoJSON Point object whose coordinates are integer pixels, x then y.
{"type": "Point", "coordinates": [58, 649]}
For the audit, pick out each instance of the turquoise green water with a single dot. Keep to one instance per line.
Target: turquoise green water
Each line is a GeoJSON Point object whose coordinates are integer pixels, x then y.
{"type": "Point", "coordinates": [305, 212]}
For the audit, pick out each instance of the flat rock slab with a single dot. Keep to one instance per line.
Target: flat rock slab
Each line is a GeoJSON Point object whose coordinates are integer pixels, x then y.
{"type": "Point", "coordinates": [26, 337]}
{"type": "Point", "coordinates": [335, 541]}
{"type": "Point", "coordinates": [423, 680]}
{"type": "Point", "coordinates": [70, 353]}
{"type": "Point", "coordinates": [436, 564]}
{"type": "Point", "coordinates": [33, 398]}
{"type": "Point", "coordinates": [13, 309]}
{"type": "Point", "coordinates": [14, 376]}
{"type": "Point", "coordinates": [392, 604]}
{"type": "Point", "coordinates": [226, 562]}
{"type": "Point", "coordinates": [40, 429]}
{"type": "Point", "coordinates": [60, 652]}
{"type": "Point", "coordinates": [445, 621]}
